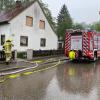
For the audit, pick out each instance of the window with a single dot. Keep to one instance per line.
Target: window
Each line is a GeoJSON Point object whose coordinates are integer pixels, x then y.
{"type": "Point", "coordinates": [43, 42]}
{"type": "Point", "coordinates": [2, 39]}
{"type": "Point", "coordinates": [29, 21]}
{"type": "Point", "coordinates": [60, 45]}
{"type": "Point", "coordinates": [23, 40]}
{"type": "Point", "coordinates": [42, 24]}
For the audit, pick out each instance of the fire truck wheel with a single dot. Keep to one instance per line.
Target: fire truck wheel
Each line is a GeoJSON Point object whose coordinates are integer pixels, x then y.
{"type": "Point", "coordinates": [95, 56]}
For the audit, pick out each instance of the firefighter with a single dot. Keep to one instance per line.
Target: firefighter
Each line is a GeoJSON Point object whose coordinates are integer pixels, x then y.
{"type": "Point", "coordinates": [72, 55]}
{"type": "Point", "coordinates": [7, 47]}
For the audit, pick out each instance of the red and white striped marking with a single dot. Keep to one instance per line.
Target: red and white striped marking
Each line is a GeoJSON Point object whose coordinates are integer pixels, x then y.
{"type": "Point", "coordinates": [67, 42]}
{"type": "Point", "coordinates": [85, 43]}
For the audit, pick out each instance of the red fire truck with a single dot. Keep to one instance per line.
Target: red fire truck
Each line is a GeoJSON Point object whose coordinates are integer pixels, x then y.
{"type": "Point", "coordinates": [84, 43]}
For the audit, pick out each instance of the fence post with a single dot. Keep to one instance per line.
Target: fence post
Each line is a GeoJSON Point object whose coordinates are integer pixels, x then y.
{"type": "Point", "coordinates": [15, 54]}
{"type": "Point", "coordinates": [29, 54]}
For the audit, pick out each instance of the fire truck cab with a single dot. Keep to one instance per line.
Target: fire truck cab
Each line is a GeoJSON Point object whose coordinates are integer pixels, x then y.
{"type": "Point", "coordinates": [84, 43]}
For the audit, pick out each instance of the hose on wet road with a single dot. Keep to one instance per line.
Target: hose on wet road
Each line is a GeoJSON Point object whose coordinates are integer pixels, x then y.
{"type": "Point", "coordinates": [21, 72]}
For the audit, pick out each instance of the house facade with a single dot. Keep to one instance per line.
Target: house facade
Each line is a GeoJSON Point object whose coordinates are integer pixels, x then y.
{"type": "Point", "coordinates": [28, 27]}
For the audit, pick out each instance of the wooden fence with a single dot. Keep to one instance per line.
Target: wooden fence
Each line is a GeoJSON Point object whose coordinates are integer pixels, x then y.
{"type": "Point", "coordinates": [39, 53]}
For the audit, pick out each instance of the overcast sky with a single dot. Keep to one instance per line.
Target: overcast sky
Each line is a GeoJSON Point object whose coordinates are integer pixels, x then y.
{"type": "Point", "coordinates": [80, 10]}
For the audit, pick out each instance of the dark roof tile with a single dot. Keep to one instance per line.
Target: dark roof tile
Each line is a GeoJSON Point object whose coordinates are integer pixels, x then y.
{"type": "Point", "coordinates": [6, 16]}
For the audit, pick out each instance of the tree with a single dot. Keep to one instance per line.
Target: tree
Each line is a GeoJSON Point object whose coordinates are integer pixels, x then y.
{"type": "Point", "coordinates": [1, 5]}
{"type": "Point", "coordinates": [25, 2]}
{"type": "Point", "coordinates": [6, 4]}
{"type": "Point", "coordinates": [78, 26]}
{"type": "Point", "coordinates": [96, 26]}
{"type": "Point", "coordinates": [64, 22]}
{"type": "Point", "coordinates": [9, 4]}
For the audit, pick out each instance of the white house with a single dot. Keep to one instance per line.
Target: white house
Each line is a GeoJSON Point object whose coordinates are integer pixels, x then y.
{"type": "Point", "coordinates": [28, 27]}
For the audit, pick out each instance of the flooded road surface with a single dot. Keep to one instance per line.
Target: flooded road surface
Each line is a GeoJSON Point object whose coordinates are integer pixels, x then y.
{"type": "Point", "coordinates": [68, 81]}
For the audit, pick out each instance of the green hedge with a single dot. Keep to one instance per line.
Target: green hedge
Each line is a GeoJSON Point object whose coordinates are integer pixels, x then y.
{"type": "Point", "coordinates": [22, 55]}
{"type": "Point", "coordinates": [39, 53]}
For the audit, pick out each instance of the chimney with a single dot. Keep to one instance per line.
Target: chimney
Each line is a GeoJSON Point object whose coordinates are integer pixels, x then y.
{"type": "Point", "coordinates": [18, 4]}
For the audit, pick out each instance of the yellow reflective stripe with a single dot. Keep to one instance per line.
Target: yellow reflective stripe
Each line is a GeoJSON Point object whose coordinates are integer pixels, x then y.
{"type": "Point", "coordinates": [37, 61]}
{"type": "Point", "coordinates": [14, 76]}
{"type": "Point", "coordinates": [27, 73]}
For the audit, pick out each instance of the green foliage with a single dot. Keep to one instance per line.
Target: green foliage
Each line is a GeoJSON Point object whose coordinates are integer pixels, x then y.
{"type": "Point", "coordinates": [96, 26]}
{"type": "Point", "coordinates": [78, 26]}
{"type": "Point", "coordinates": [6, 4]}
{"type": "Point", "coordinates": [25, 2]}
{"type": "Point", "coordinates": [22, 55]}
{"type": "Point", "coordinates": [64, 22]}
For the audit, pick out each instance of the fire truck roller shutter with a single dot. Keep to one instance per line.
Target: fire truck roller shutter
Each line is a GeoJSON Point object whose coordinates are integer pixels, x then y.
{"type": "Point", "coordinates": [72, 55]}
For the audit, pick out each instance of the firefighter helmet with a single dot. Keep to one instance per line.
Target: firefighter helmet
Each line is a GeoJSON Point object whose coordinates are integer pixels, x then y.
{"type": "Point", "coordinates": [9, 40]}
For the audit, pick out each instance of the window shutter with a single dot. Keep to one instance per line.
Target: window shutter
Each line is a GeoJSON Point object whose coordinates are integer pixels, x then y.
{"type": "Point", "coordinates": [42, 24]}
{"type": "Point", "coordinates": [29, 21]}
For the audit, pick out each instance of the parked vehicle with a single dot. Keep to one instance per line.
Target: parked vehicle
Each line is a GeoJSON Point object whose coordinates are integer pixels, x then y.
{"type": "Point", "coordinates": [84, 43]}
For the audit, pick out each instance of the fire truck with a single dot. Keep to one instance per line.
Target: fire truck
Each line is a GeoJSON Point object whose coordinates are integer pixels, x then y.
{"type": "Point", "coordinates": [84, 43]}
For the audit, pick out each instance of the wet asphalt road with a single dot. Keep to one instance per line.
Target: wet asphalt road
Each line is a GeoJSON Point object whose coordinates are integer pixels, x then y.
{"type": "Point", "coordinates": [68, 81]}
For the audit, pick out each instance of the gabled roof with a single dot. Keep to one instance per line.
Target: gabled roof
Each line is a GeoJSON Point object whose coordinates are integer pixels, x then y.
{"type": "Point", "coordinates": [6, 16]}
